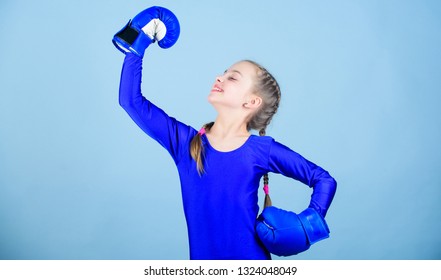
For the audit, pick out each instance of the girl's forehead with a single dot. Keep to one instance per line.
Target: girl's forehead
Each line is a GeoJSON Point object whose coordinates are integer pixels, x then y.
{"type": "Point", "coordinates": [243, 68]}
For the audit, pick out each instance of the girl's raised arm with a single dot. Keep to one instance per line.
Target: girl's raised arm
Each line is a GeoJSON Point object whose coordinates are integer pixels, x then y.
{"type": "Point", "coordinates": [170, 133]}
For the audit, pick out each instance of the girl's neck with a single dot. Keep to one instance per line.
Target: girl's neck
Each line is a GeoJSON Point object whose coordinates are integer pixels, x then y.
{"type": "Point", "coordinates": [225, 128]}
{"type": "Point", "coordinates": [227, 135]}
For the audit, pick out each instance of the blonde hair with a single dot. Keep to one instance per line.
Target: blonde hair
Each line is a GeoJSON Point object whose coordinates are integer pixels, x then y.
{"type": "Point", "coordinates": [267, 88]}
{"type": "Point", "coordinates": [197, 149]}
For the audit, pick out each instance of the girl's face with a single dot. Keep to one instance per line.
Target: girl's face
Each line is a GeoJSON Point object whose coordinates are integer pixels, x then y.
{"type": "Point", "coordinates": [234, 87]}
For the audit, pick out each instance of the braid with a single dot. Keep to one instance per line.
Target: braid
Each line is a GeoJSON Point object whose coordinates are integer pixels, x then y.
{"type": "Point", "coordinates": [267, 201]}
{"type": "Point", "coordinates": [268, 89]}
{"type": "Point", "coordinates": [197, 149]}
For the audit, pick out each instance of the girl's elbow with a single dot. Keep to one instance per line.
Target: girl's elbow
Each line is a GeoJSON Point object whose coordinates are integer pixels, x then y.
{"type": "Point", "coordinates": [125, 104]}
{"type": "Point", "coordinates": [332, 184]}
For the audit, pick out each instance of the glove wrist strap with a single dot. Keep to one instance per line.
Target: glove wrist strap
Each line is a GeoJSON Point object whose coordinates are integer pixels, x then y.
{"type": "Point", "coordinates": [315, 226]}
{"type": "Point", "coordinates": [130, 39]}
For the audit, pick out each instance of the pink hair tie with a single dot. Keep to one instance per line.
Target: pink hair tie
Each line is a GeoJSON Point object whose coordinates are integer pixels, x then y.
{"type": "Point", "coordinates": [202, 131]}
{"type": "Point", "coordinates": [266, 189]}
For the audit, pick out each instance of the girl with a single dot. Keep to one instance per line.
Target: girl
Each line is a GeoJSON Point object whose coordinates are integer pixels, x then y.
{"type": "Point", "coordinates": [220, 165]}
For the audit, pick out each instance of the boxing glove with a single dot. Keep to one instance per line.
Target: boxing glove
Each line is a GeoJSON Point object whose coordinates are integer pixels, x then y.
{"type": "Point", "coordinates": [285, 233]}
{"type": "Point", "coordinates": [153, 24]}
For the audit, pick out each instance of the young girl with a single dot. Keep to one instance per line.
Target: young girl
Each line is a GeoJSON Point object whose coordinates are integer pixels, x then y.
{"type": "Point", "coordinates": [220, 165]}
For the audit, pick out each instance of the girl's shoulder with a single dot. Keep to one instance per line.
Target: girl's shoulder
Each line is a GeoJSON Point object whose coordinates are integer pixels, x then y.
{"type": "Point", "coordinates": [262, 139]}
{"type": "Point", "coordinates": [267, 144]}
{"type": "Point", "coordinates": [261, 142]}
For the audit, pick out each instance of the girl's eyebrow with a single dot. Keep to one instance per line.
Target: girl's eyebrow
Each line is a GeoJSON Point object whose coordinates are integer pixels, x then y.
{"type": "Point", "coordinates": [235, 71]}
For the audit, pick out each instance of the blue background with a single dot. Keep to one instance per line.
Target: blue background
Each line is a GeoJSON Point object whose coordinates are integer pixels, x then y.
{"type": "Point", "coordinates": [360, 96]}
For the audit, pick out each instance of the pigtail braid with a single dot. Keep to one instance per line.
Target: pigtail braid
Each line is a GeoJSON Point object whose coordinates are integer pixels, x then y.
{"type": "Point", "coordinates": [197, 149]}
{"type": "Point", "coordinates": [269, 90]}
{"type": "Point", "coordinates": [267, 201]}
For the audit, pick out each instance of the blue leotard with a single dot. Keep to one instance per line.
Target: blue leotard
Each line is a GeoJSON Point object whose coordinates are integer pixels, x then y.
{"type": "Point", "coordinates": [221, 205]}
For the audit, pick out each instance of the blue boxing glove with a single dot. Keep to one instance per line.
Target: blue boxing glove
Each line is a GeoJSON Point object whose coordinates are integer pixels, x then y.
{"type": "Point", "coordinates": [153, 24]}
{"type": "Point", "coordinates": [285, 233]}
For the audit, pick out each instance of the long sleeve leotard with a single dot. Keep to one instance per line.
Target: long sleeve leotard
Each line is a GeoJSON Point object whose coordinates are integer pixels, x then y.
{"type": "Point", "coordinates": [221, 205]}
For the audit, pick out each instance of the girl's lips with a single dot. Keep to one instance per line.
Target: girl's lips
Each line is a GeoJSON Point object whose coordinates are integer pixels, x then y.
{"type": "Point", "coordinates": [217, 89]}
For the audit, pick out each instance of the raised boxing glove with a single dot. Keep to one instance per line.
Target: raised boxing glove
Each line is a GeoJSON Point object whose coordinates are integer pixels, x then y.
{"type": "Point", "coordinates": [153, 24]}
{"type": "Point", "coordinates": [285, 233]}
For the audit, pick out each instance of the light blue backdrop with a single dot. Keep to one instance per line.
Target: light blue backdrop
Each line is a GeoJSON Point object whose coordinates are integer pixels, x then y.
{"type": "Point", "coordinates": [361, 97]}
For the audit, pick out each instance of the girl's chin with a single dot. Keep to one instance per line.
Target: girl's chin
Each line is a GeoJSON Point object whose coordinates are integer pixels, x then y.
{"type": "Point", "coordinates": [214, 102]}
{"type": "Point", "coordinates": [212, 98]}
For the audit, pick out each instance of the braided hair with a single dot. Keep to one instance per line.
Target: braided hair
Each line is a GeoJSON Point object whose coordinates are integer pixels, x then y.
{"type": "Point", "coordinates": [268, 89]}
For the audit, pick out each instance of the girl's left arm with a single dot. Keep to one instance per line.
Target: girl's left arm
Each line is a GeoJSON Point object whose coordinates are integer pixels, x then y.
{"type": "Point", "coordinates": [285, 161]}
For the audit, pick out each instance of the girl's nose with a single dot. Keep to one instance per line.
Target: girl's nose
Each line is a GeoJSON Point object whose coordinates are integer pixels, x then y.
{"type": "Point", "coordinates": [220, 79]}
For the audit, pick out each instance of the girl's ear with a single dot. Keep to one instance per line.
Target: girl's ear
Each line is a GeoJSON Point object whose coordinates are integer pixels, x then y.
{"type": "Point", "coordinates": [254, 102]}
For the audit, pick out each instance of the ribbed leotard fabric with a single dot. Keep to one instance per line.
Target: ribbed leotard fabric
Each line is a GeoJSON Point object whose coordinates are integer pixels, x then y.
{"type": "Point", "coordinates": [221, 205]}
